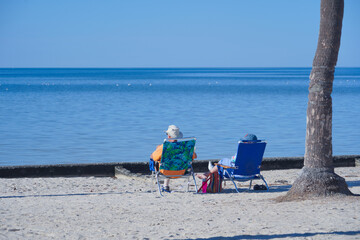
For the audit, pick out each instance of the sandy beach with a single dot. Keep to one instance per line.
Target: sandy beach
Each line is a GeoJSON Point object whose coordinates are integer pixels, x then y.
{"type": "Point", "coordinates": [128, 207]}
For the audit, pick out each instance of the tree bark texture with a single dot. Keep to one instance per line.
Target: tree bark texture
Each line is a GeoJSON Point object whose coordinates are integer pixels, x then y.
{"type": "Point", "coordinates": [318, 148]}
{"type": "Point", "coordinates": [318, 177]}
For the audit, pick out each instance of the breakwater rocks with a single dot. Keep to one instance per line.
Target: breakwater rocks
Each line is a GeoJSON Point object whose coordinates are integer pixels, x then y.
{"type": "Point", "coordinates": [108, 169]}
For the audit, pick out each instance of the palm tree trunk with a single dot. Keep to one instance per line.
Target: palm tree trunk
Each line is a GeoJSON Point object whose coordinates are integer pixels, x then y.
{"type": "Point", "coordinates": [318, 177]}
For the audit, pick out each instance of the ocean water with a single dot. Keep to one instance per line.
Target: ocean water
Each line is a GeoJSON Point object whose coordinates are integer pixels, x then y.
{"type": "Point", "coordinates": [56, 116]}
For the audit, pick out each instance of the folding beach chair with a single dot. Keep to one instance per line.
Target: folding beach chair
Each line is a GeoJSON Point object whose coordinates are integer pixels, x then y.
{"type": "Point", "coordinates": [176, 155]}
{"type": "Point", "coordinates": [247, 163]}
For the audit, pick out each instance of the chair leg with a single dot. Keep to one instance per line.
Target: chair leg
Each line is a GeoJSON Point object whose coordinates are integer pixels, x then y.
{"type": "Point", "coordinates": [188, 184]}
{"type": "Point", "coordinates": [194, 181]}
{"type": "Point", "coordinates": [250, 185]}
{"type": "Point", "coordinates": [236, 188]}
{"type": "Point", "coordinates": [262, 178]}
{"type": "Point", "coordinates": [158, 183]}
{"type": "Point", "coordinates": [226, 172]}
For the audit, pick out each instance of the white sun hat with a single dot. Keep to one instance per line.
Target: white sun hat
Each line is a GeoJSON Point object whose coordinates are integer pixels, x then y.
{"type": "Point", "coordinates": [174, 132]}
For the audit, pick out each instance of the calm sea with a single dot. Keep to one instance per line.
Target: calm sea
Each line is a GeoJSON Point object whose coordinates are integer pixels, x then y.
{"type": "Point", "coordinates": [55, 116]}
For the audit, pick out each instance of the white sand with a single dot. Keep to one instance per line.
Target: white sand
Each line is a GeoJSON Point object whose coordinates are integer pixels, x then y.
{"type": "Point", "coordinates": [124, 208]}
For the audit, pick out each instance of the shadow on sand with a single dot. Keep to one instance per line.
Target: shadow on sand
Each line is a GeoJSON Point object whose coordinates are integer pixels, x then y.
{"type": "Point", "coordinates": [276, 188]}
{"type": "Point", "coordinates": [286, 235]}
{"type": "Point", "coordinates": [273, 189]}
{"type": "Point", "coordinates": [63, 195]}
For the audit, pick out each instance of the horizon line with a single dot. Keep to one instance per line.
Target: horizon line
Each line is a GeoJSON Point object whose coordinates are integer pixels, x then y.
{"type": "Point", "coordinates": [156, 67]}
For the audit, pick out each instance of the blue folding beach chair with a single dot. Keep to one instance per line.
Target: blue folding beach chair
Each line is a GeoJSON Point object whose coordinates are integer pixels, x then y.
{"type": "Point", "coordinates": [177, 155]}
{"type": "Point", "coordinates": [247, 163]}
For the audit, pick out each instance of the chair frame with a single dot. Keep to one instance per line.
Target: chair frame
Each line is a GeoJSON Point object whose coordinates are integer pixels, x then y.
{"type": "Point", "coordinates": [187, 174]}
{"type": "Point", "coordinates": [244, 178]}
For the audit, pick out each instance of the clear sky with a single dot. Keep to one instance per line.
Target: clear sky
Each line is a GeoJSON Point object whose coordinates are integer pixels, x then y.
{"type": "Point", "coordinates": [168, 33]}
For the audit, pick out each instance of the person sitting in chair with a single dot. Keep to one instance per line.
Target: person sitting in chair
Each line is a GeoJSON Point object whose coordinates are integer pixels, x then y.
{"type": "Point", "coordinates": [172, 132]}
{"type": "Point", "coordinates": [227, 162]}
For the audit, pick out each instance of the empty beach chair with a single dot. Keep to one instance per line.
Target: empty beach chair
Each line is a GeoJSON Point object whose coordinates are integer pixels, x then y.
{"type": "Point", "coordinates": [176, 160]}
{"type": "Point", "coordinates": [247, 163]}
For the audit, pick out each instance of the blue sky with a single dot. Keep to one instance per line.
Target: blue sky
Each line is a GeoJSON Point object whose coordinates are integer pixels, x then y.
{"type": "Point", "coordinates": [168, 33]}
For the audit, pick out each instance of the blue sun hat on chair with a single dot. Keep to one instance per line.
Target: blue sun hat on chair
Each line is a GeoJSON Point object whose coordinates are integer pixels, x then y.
{"type": "Point", "coordinates": [250, 138]}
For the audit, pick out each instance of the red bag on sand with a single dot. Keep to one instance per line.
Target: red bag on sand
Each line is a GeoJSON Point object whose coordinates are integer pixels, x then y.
{"type": "Point", "coordinates": [213, 184]}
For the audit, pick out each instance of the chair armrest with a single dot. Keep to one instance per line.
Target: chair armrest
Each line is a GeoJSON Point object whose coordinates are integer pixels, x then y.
{"type": "Point", "coordinates": [224, 166]}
